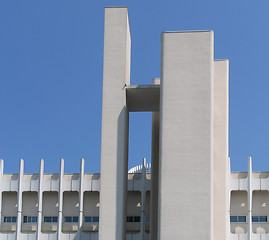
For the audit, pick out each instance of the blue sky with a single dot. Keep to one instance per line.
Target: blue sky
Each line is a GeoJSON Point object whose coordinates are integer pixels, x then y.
{"type": "Point", "coordinates": [51, 76]}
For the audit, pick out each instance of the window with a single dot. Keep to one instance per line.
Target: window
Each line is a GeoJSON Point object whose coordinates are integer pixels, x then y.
{"type": "Point", "coordinates": [50, 219]}
{"type": "Point", "coordinates": [259, 218]}
{"type": "Point", "coordinates": [91, 219]}
{"type": "Point", "coordinates": [133, 219]}
{"type": "Point", "coordinates": [9, 219]}
{"type": "Point", "coordinates": [147, 219]}
{"type": "Point", "coordinates": [71, 219]}
{"type": "Point", "coordinates": [240, 219]}
{"type": "Point", "coordinates": [29, 219]}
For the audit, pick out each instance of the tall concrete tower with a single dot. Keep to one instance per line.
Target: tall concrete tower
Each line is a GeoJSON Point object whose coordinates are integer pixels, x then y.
{"type": "Point", "coordinates": [189, 108]}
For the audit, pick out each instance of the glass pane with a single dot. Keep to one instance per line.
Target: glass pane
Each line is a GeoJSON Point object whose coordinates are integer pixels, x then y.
{"type": "Point", "coordinates": [54, 219]}
{"type": "Point", "coordinates": [241, 218]}
{"type": "Point", "coordinates": [8, 219]}
{"type": "Point", "coordinates": [47, 219]}
{"type": "Point", "coordinates": [88, 219]}
{"type": "Point", "coordinates": [263, 218]}
{"type": "Point", "coordinates": [233, 218]}
{"type": "Point", "coordinates": [255, 219]}
{"type": "Point", "coordinates": [95, 219]}
{"type": "Point", "coordinates": [136, 219]}
{"type": "Point", "coordinates": [130, 219]}
{"type": "Point", "coordinates": [5, 219]}
{"type": "Point", "coordinates": [147, 219]}
{"type": "Point", "coordinates": [34, 219]}
{"type": "Point", "coordinates": [68, 219]}
{"type": "Point", "coordinates": [29, 219]}
{"type": "Point", "coordinates": [14, 219]}
{"type": "Point", "coordinates": [25, 219]}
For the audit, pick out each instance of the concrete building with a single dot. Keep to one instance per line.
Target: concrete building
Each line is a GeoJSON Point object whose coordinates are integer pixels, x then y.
{"type": "Point", "coordinates": [187, 192]}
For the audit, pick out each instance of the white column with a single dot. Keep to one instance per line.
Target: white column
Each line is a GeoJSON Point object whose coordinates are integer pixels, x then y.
{"type": "Point", "coordinates": [19, 201]}
{"type": "Point", "coordinates": [60, 200]}
{"type": "Point", "coordinates": [81, 191]}
{"type": "Point", "coordinates": [143, 198]}
{"type": "Point", "coordinates": [115, 125]}
{"type": "Point", "coordinates": [229, 198]}
{"type": "Point", "coordinates": [40, 199]}
{"type": "Point", "coordinates": [221, 144]}
{"type": "Point", "coordinates": [186, 136]}
{"type": "Point", "coordinates": [154, 172]}
{"type": "Point", "coordinates": [1, 180]}
{"type": "Point", "coordinates": [249, 220]}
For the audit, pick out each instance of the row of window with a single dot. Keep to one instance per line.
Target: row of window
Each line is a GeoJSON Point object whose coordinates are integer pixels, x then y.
{"type": "Point", "coordinates": [137, 219]}
{"type": "Point", "coordinates": [50, 219]}
{"type": "Point", "coordinates": [243, 219]}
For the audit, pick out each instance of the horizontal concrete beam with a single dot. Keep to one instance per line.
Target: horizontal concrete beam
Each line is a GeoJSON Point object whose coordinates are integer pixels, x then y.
{"type": "Point", "coordinates": [142, 98]}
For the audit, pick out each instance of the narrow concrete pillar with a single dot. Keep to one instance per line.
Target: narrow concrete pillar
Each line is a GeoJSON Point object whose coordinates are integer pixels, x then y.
{"type": "Point", "coordinates": [229, 197]}
{"type": "Point", "coordinates": [40, 200]}
{"type": "Point", "coordinates": [81, 191]}
{"type": "Point", "coordinates": [19, 201]}
{"type": "Point", "coordinates": [115, 125]}
{"type": "Point", "coordinates": [249, 218]}
{"type": "Point", "coordinates": [186, 136]}
{"type": "Point", "coordinates": [60, 201]}
{"type": "Point", "coordinates": [143, 198]}
{"type": "Point", "coordinates": [154, 175]}
{"type": "Point", "coordinates": [220, 162]}
{"type": "Point", "coordinates": [1, 179]}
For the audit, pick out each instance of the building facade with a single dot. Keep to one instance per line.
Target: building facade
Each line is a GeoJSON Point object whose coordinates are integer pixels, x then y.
{"type": "Point", "coordinates": [187, 192]}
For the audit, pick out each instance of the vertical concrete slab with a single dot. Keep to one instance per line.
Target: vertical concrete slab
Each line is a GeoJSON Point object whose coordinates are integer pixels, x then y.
{"type": "Point", "coordinates": [186, 136]}
{"type": "Point", "coordinates": [221, 158]}
{"type": "Point", "coordinates": [115, 123]}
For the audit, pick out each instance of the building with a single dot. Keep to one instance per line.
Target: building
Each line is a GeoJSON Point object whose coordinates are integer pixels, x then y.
{"type": "Point", "coordinates": [187, 193]}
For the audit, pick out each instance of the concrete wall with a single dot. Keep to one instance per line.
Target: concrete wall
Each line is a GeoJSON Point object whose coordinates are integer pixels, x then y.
{"type": "Point", "coordinates": [115, 125]}
{"type": "Point", "coordinates": [9, 204]}
{"type": "Point", "coordinates": [91, 203]}
{"type": "Point", "coordinates": [186, 136]}
{"type": "Point", "coordinates": [239, 207]}
{"type": "Point", "coordinates": [70, 204]}
{"type": "Point", "coordinates": [134, 203]}
{"type": "Point", "coordinates": [29, 204]}
{"type": "Point", "coordinates": [50, 204]}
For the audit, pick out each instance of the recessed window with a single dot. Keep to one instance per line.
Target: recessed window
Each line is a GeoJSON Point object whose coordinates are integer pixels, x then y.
{"type": "Point", "coordinates": [50, 219]}
{"type": "Point", "coordinates": [93, 219]}
{"type": "Point", "coordinates": [71, 219]}
{"type": "Point", "coordinates": [29, 219]}
{"type": "Point", "coordinates": [9, 219]}
{"type": "Point", "coordinates": [240, 219]}
{"type": "Point", "coordinates": [259, 219]}
{"type": "Point", "coordinates": [133, 218]}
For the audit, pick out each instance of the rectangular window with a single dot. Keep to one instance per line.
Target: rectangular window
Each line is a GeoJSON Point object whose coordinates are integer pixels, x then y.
{"type": "Point", "coordinates": [70, 219]}
{"type": "Point", "coordinates": [95, 219]}
{"type": "Point", "coordinates": [147, 219]}
{"type": "Point", "coordinates": [55, 219]}
{"type": "Point", "coordinates": [29, 219]}
{"type": "Point", "coordinates": [233, 219]}
{"type": "Point", "coordinates": [242, 218]}
{"type": "Point", "coordinates": [255, 219]}
{"type": "Point", "coordinates": [263, 218]}
{"type": "Point", "coordinates": [9, 219]}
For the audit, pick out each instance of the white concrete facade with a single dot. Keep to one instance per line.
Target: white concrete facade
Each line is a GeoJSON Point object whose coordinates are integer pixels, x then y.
{"type": "Point", "coordinates": [187, 192]}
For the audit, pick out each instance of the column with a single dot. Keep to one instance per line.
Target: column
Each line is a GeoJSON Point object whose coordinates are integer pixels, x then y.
{"type": "Point", "coordinates": [1, 179]}
{"type": "Point", "coordinates": [81, 190]}
{"type": "Point", "coordinates": [19, 201]}
{"type": "Point", "coordinates": [220, 162]}
{"type": "Point", "coordinates": [154, 174]}
{"type": "Point", "coordinates": [143, 198]}
{"type": "Point", "coordinates": [186, 136]}
{"type": "Point", "coordinates": [115, 125]}
{"type": "Point", "coordinates": [40, 199]}
{"type": "Point", "coordinates": [60, 201]}
{"type": "Point", "coordinates": [249, 217]}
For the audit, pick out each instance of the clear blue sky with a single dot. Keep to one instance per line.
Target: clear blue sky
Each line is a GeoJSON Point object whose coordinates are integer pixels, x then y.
{"type": "Point", "coordinates": [51, 76]}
